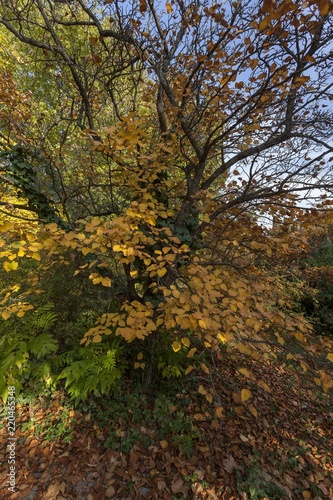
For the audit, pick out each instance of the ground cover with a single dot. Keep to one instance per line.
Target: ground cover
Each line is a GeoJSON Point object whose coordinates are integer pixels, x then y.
{"type": "Point", "coordinates": [178, 445]}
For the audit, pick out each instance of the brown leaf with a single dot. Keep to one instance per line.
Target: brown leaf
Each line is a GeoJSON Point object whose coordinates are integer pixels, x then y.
{"type": "Point", "coordinates": [161, 485]}
{"type": "Point", "coordinates": [110, 492]}
{"type": "Point", "coordinates": [54, 490]}
{"type": "Point", "coordinates": [177, 485]}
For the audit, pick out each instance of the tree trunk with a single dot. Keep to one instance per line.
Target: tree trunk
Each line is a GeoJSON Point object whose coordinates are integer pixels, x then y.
{"type": "Point", "coordinates": [150, 374]}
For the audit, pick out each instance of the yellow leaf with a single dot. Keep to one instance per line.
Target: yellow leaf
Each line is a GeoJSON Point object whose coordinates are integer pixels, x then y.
{"type": "Point", "coordinates": [20, 314]}
{"type": "Point", "coordinates": [306, 495]}
{"type": "Point", "coordinates": [209, 398]}
{"type": "Point", "coordinates": [299, 336]}
{"type": "Point", "coordinates": [245, 395]}
{"type": "Point", "coordinates": [326, 382]}
{"type": "Point", "coordinates": [85, 251]}
{"type": "Point", "coordinates": [245, 372]}
{"type": "Point", "coordinates": [117, 248]}
{"type": "Point", "coordinates": [106, 281]}
{"type": "Point", "coordinates": [134, 273]}
{"type": "Point", "coordinates": [139, 365]}
{"type": "Point", "coordinates": [202, 390]}
{"type": "Point", "coordinates": [6, 227]}
{"type": "Point", "coordinates": [253, 410]}
{"type": "Point", "coordinates": [330, 357]}
{"type": "Point", "coordinates": [280, 340]}
{"type": "Point", "coordinates": [168, 8]}
{"type": "Point", "coordinates": [97, 338]}
{"type": "Point", "coordinates": [202, 323]}
{"type": "Point", "coordinates": [204, 368]}
{"type": "Point", "coordinates": [186, 341]}
{"type": "Point", "coordinates": [161, 272]}
{"type": "Point", "coordinates": [219, 411]}
{"type": "Point", "coordinates": [264, 386]}
{"type": "Point", "coordinates": [221, 338]}
{"type": "Point", "coordinates": [140, 356]}
{"type": "Point", "coordinates": [151, 220]}
{"type": "Point", "coordinates": [188, 369]}
{"type": "Point", "coordinates": [10, 266]}
{"type": "Point", "coordinates": [191, 352]}
{"type": "Point", "coordinates": [176, 346]}
{"type": "Point", "coordinates": [5, 315]}
{"type": "Point", "coordinates": [164, 444]}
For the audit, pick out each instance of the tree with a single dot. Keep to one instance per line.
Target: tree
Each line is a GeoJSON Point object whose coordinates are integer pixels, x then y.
{"type": "Point", "coordinates": [162, 138]}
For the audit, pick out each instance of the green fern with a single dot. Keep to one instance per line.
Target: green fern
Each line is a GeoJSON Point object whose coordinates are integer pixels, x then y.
{"type": "Point", "coordinates": [45, 317]}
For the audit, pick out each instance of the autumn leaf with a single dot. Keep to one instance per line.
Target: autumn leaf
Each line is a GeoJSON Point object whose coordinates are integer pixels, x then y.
{"type": "Point", "coordinates": [5, 315]}
{"type": "Point", "coordinates": [202, 390]}
{"type": "Point", "coordinates": [253, 410]}
{"type": "Point", "coordinates": [188, 369]}
{"type": "Point", "coordinates": [176, 346]}
{"type": "Point", "coordinates": [219, 411]}
{"type": "Point", "coordinates": [106, 281]}
{"type": "Point", "coordinates": [264, 385]}
{"type": "Point", "coordinates": [246, 373]}
{"type": "Point", "coordinates": [209, 398]}
{"type": "Point", "coordinates": [204, 368]}
{"type": "Point", "coordinates": [245, 395]}
{"type": "Point", "coordinates": [229, 464]}
{"type": "Point", "coordinates": [185, 341]}
{"type": "Point", "coordinates": [161, 272]}
{"type": "Point", "coordinates": [191, 352]}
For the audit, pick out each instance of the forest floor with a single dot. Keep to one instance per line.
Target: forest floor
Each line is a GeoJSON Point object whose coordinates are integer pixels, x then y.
{"type": "Point", "coordinates": [276, 444]}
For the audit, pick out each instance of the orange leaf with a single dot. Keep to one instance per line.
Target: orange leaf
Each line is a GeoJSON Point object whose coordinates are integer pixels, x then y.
{"type": "Point", "coordinates": [168, 8]}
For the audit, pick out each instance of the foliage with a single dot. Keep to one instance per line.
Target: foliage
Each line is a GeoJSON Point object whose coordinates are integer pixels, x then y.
{"type": "Point", "coordinates": [258, 485]}
{"type": "Point", "coordinates": [135, 413]}
{"type": "Point", "coordinates": [175, 156]}
{"type": "Point", "coordinates": [41, 349]}
{"type": "Point", "coordinates": [317, 270]}
{"type": "Point", "coordinates": [50, 429]}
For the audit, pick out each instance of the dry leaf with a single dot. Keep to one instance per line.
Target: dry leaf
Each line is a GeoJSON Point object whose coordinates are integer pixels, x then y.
{"type": "Point", "coordinates": [245, 395]}
{"type": "Point", "coordinates": [229, 464]}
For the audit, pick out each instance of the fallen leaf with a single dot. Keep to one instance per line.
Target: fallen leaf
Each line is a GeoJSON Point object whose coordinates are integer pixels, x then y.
{"type": "Point", "coordinates": [177, 485]}
{"type": "Point", "coordinates": [229, 464]}
{"type": "Point", "coordinates": [245, 395]}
